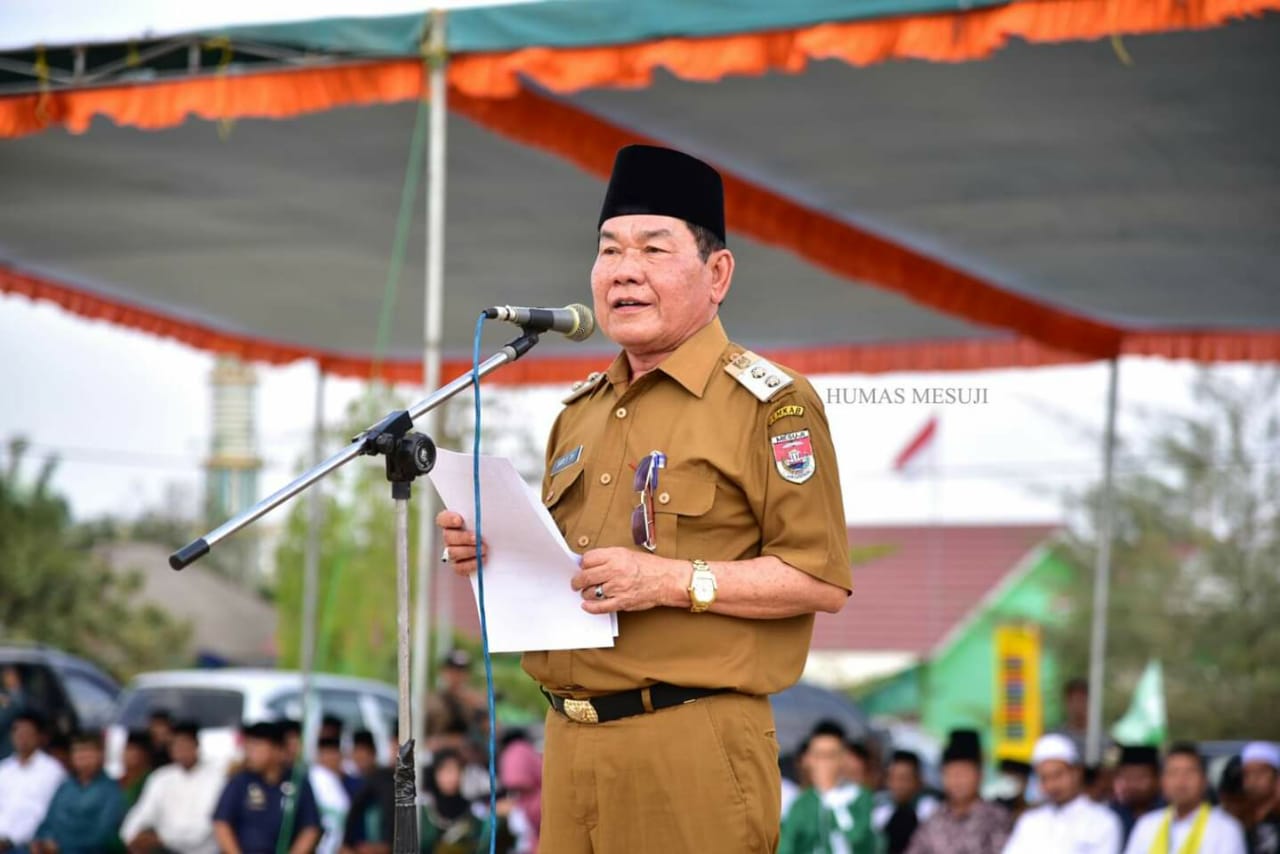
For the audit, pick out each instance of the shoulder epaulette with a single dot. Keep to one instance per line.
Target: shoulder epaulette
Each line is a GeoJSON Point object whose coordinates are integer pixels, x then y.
{"type": "Point", "coordinates": [584, 387]}
{"type": "Point", "coordinates": [758, 375]}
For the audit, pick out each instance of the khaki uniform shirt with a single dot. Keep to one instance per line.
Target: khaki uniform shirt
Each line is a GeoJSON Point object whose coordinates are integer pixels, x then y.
{"type": "Point", "coordinates": [721, 497]}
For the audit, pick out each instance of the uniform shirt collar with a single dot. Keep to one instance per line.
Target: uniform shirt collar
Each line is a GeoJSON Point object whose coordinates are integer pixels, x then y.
{"type": "Point", "coordinates": [691, 364]}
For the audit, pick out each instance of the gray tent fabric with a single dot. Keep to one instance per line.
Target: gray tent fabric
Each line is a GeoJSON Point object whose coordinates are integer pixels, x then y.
{"type": "Point", "coordinates": [1145, 196]}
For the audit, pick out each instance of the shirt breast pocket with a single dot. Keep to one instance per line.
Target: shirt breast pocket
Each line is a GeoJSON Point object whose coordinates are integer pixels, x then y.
{"type": "Point", "coordinates": [682, 503]}
{"type": "Point", "coordinates": [564, 494]}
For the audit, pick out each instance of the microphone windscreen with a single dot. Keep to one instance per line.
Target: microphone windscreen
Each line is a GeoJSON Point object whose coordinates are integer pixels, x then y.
{"type": "Point", "coordinates": [586, 323]}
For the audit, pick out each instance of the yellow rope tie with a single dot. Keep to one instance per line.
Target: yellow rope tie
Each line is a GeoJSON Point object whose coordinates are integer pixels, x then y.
{"type": "Point", "coordinates": [1117, 44]}
{"type": "Point", "coordinates": [225, 123]}
{"type": "Point", "coordinates": [41, 67]}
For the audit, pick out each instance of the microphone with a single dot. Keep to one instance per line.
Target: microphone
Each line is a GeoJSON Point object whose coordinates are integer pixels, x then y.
{"type": "Point", "coordinates": [575, 322]}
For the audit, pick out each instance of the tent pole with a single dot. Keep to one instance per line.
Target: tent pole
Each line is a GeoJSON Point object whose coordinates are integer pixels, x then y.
{"type": "Point", "coordinates": [311, 565]}
{"type": "Point", "coordinates": [428, 541]}
{"type": "Point", "coordinates": [1102, 574]}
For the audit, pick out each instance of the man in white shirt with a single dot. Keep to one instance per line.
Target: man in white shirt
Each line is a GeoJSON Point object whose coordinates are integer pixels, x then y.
{"type": "Point", "coordinates": [175, 810]}
{"type": "Point", "coordinates": [332, 796]}
{"type": "Point", "coordinates": [1188, 824]}
{"type": "Point", "coordinates": [1069, 823]}
{"type": "Point", "coordinates": [28, 780]}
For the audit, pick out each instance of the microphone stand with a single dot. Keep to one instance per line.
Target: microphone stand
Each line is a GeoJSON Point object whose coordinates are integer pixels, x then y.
{"type": "Point", "coordinates": [408, 455]}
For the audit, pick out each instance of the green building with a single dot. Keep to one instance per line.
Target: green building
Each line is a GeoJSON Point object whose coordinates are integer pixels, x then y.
{"type": "Point", "coordinates": [920, 639]}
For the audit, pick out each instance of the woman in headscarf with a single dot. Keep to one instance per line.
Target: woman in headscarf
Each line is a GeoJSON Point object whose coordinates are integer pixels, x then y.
{"type": "Point", "coordinates": [520, 772]}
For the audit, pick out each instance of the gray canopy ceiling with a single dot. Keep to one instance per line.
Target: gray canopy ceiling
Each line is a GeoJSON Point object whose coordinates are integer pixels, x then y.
{"type": "Point", "coordinates": [1049, 195]}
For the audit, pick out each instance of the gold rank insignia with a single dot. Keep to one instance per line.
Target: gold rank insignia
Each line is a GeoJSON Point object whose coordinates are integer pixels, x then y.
{"type": "Point", "coordinates": [582, 388]}
{"type": "Point", "coordinates": [758, 375]}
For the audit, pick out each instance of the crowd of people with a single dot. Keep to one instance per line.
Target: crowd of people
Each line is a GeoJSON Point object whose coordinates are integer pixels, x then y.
{"type": "Point", "coordinates": [844, 802]}
{"type": "Point", "coordinates": [272, 800]}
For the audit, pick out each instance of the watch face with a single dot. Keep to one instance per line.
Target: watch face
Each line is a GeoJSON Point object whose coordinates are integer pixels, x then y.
{"type": "Point", "coordinates": [704, 588]}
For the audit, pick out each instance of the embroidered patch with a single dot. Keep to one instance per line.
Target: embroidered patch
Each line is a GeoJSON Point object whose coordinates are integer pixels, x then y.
{"type": "Point", "coordinates": [563, 461]}
{"type": "Point", "coordinates": [785, 411]}
{"type": "Point", "coordinates": [793, 456]}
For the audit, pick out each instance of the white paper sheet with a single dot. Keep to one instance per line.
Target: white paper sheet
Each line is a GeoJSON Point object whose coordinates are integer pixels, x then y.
{"type": "Point", "coordinates": [529, 604]}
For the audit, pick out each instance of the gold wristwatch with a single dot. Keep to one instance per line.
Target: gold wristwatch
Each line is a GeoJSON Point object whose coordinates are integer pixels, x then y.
{"type": "Point", "coordinates": [702, 587]}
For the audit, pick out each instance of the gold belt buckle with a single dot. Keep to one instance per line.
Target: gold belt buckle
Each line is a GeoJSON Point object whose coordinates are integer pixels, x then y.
{"type": "Point", "coordinates": [581, 711]}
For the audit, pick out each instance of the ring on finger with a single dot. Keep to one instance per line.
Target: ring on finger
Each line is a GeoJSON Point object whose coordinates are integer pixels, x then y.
{"type": "Point", "coordinates": [599, 594]}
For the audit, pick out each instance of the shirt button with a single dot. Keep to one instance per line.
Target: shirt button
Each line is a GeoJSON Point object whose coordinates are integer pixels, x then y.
{"type": "Point", "coordinates": [606, 478]}
{"type": "Point", "coordinates": [664, 498]}
{"type": "Point", "coordinates": [582, 541]}
{"type": "Point", "coordinates": [622, 412]}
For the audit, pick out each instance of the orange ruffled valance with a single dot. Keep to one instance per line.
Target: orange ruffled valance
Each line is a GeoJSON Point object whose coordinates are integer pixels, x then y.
{"type": "Point", "coordinates": [909, 356]}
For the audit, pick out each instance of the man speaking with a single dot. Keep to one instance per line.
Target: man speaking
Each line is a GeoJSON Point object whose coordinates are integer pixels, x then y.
{"type": "Point", "coordinates": [699, 483]}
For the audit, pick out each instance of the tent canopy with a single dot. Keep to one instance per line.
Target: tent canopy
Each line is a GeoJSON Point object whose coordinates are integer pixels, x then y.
{"type": "Point", "coordinates": [1050, 204]}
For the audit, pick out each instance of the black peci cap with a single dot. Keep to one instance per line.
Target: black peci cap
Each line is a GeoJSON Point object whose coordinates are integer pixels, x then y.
{"type": "Point", "coordinates": [651, 180]}
{"type": "Point", "coordinates": [1139, 754]}
{"type": "Point", "coordinates": [264, 731]}
{"type": "Point", "coordinates": [963, 745]}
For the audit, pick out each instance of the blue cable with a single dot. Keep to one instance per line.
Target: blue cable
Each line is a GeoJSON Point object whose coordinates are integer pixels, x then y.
{"type": "Point", "coordinates": [484, 624]}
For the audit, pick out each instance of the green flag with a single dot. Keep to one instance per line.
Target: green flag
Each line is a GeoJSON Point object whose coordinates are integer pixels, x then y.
{"type": "Point", "coordinates": [1145, 722]}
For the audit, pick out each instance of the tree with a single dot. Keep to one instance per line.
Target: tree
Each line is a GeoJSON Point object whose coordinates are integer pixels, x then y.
{"type": "Point", "coordinates": [55, 592]}
{"type": "Point", "coordinates": [1195, 566]}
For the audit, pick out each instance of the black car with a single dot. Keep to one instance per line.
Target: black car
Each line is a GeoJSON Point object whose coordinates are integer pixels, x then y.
{"type": "Point", "coordinates": [71, 693]}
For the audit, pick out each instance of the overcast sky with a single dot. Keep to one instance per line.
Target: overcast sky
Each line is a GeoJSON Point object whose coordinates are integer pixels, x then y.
{"type": "Point", "coordinates": [128, 415]}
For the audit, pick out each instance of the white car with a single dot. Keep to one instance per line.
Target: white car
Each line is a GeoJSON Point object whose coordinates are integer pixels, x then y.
{"type": "Point", "coordinates": [220, 701]}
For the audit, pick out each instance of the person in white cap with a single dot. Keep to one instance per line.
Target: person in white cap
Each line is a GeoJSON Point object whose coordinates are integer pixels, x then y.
{"type": "Point", "coordinates": [1069, 823]}
{"type": "Point", "coordinates": [1260, 762]}
{"type": "Point", "coordinates": [1189, 825]}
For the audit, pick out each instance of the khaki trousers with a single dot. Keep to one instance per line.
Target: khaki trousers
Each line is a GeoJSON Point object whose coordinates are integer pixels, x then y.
{"type": "Point", "coordinates": [699, 778]}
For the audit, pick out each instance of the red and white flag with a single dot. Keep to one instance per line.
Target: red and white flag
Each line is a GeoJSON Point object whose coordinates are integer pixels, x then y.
{"type": "Point", "coordinates": [920, 454]}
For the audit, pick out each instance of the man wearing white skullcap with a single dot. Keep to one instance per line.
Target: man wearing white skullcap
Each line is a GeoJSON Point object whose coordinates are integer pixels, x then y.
{"type": "Point", "coordinates": [1260, 762]}
{"type": "Point", "coordinates": [1069, 823]}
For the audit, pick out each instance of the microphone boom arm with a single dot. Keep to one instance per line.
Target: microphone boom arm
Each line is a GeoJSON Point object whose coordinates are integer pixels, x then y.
{"type": "Point", "coordinates": [361, 445]}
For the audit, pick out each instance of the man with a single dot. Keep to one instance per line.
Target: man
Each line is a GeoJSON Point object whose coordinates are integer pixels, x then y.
{"type": "Point", "coordinates": [964, 824]}
{"type": "Point", "coordinates": [137, 766]}
{"type": "Point", "coordinates": [455, 710]}
{"type": "Point", "coordinates": [1260, 767]}
{"type": "Point", "coordinates": [160, 729]}
{"type": "Point", "coordinates": [370, 819]}
{"type": "Point", "coordinates": [28, 780]}
{"type": "Point", "coordinates": [1011, 787]}
{"type": "Point", "coordinates": [699, 483]}
{"type": "Point", "coordinates": [333, 797]}
{"type": "Point", "coordinates": [833, 815]}
{"type": "Point", "coordinates": [292, 731]}
{"type": "Point", "coordinates": [256, 804]}
{"type": "Point", "coordinates": [174, 812]}
{"type": "Point", "coordinates": [1075, 704]}
{"type": "Point", "coordinates": [1137, 785]}
{"type": "Point", "coordinates": [1069, 823]}
{"type": "Point", "coordinates": [86, 810]}
{"type": "Point", "coordinates": [907, 805]}
{"type": "Point", "coordinates": [1189, 824]}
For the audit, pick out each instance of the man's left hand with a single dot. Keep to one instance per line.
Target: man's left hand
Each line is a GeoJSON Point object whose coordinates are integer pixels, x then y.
{"type": "Point", "coordinates": [631, 580]}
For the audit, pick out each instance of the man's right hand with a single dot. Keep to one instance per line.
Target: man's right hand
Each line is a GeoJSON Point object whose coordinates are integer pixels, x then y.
{"type": "Point", "coordinates": [459, 542]}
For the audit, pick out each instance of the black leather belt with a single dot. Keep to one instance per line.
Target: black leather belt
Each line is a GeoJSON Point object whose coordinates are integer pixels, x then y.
{"type": "Point", "coordinates": [625, 704]}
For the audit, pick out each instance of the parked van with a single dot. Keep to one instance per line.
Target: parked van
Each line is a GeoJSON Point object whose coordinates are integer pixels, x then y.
{"type": "Point", "coordinates": [220, 701]}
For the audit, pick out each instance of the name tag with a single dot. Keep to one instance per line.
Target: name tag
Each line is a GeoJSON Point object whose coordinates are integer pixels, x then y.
{"type": "Point", "coordinates": [563, 461]}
